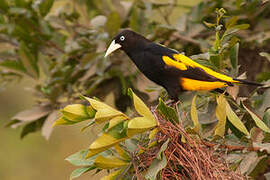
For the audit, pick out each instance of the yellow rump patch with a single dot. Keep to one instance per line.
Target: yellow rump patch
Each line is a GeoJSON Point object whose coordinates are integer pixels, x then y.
{"type": "Point", "coordinates": [167, 60]}
{"type": "Point", "coordinates": [196, 85]}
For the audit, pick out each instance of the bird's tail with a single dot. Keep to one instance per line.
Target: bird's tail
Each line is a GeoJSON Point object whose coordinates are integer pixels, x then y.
{"type": "Point", "coordinates": [248, 82]}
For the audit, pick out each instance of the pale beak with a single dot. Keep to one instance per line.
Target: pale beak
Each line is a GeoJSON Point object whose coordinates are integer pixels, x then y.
{"type": "Point", "coordinates": [113, 47]}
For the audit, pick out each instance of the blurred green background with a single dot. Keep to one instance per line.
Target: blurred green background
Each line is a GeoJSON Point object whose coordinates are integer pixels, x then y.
{"type": "Point", "coordinates": [66, 41]}
{"type": "Point", "coordinates": [34, 157]}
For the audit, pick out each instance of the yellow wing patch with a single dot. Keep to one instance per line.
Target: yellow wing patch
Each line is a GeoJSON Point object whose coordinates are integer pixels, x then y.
{"type": "Point", "coordinates": [182, 62]}
{"type": "Point", "coordinates": [176, 64]}
{"type": "Point", "coordinates": [184, 59]}
{"type": "Point", "coordinates": [196, 85]}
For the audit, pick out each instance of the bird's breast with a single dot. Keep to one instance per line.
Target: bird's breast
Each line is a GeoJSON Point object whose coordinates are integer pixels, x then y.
{"type": "Point", "coordinates": [150, 65]}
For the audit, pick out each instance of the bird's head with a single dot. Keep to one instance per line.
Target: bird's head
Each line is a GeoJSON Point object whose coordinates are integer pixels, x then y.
{"type": "Point", "coordinates": [124, 40]}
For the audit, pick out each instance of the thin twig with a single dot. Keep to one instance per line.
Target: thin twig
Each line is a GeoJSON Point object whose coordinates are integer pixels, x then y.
{"type": "Point", "coordinates": [134, 159]}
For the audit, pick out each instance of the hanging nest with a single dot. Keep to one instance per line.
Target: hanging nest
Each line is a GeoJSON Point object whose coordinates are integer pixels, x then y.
{"type": "Point", "coordinates": [191, 159]}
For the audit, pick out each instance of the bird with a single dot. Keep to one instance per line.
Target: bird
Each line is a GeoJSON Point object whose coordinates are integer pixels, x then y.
{"type": "Point", "coordinates": [169, 68]}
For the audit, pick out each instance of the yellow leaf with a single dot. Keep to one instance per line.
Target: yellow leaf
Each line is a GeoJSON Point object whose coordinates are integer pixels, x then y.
{"type": "Point", "coordinates": [62, 121]}
{"type": "Point", "coordinates": [114, 121]}
{"type": "Point", "coordinates": [152, 144]}
{"type": "Point", "coordinates": [109, 162]}
{"type": "Point", "coordinates": [234, 119]}
{"type": "Point", "coordinates": [102, 143]}
{"type": "Point", "coordinates": [257, 120]}
{"type": "Point", "coordinates": [183, 139]}
{"type": "Point", "coordinates": [112, 175]}
{"type": "Point", "coordinates": [140, 152]}
{"type": "Point", "coordinates": [153, 133]}
{"type": "Point", "coordinates": [194, 116]}
{"type": "Point", "coordinates": [75, 112]}
{"type": "Point", "coordinates": [141, 108]}
{"type": "Point", "coordinates": [221, 116]}
{"type": "Point", "coordinates": [104, 140]}
{"type": "Point", "coordinates": [104, 112]}
{"type": "Point", "coordinates": [94, 152]}
{"type": "Point", "coordinates": [121, 152]}
{"type": "Point", "coordinates": [140, 124]}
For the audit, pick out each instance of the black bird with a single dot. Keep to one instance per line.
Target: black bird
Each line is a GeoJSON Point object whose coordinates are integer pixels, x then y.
{"type": "Point", "coordinates": [167, 67]}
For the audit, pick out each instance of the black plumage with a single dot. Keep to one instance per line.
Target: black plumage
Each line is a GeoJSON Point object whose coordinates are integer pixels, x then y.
{"type": "Point", "coordinates": [168, 68]}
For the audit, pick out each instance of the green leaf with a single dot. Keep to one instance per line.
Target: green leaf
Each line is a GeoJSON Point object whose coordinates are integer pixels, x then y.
{"type": "Point", "coordinates": [217, 42]}
{"type": "Point", "coordinates": [266, 117]}
{"type": "Point", "coordinates": [116, 120]}
{"type": "Point", "coordinates": [91, 111]}
{"type": "Point", "coordinates": [234, 119]}
{"type": "Point", "coordinates": [259, 167]}
{"type": "Point", "coordinates": [163, 148]}
{"type": "Point", "coordinates": [29, 61]}
{"type": "Point", "coordinates": [215, 59]}
{"type": "Point", "coordinates": [158, 163]}
{"type": "Point", "coordinates": [235, 29]}
{"type": "Point", "coordinates": [118, 131]}
{"type": "Point", "coordinates": [194, 116]}
{"type": "Point", "coordinates": [168, 112]}
{"type": "Point", "coordinates": [231, 22]}
{"type": "Point", "coordinates": [14, 66]}
{"type": "Point", "coordinates": [221, 116]}
{"type": "Point", "coordinates": [258, 121]}
{"type": "Point", "coordinates": [80, 171]}
{"type": "Point", "coordinates": [4, 5]}
{"type": "Point", "coordinates": [32, 127]}
{"type": "Point", "coordinates": [156, 166]}
{"type": "Point", "coordinates": [234, 55]}
{"type": "Point", "coordinates": [45, 6]}
{"type": "Point", "coordinates": [78, 159]}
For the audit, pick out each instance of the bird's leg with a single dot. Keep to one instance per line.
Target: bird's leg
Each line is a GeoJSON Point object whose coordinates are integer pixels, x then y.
{"type": "Point", "coordinates": [169, 102]}
{"type": "Point", "coordinates": [172, 102]}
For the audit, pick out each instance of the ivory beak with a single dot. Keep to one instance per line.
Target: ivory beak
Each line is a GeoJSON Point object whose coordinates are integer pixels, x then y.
{"type": "Point", "coordinates": [113, 47]}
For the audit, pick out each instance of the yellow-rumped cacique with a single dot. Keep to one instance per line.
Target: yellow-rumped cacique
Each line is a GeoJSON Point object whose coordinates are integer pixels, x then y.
{"type": "Point", "coordinates": [168, 68]}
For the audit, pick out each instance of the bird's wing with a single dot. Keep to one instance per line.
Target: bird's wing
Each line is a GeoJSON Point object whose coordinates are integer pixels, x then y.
{"type": "Point", "coordinates": [195, 76]}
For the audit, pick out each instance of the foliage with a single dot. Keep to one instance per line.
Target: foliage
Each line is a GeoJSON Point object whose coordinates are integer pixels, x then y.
{"type": "Point", "coordinates": [119, 128]}
{"type": "Point", "coordinates": [60, 46]}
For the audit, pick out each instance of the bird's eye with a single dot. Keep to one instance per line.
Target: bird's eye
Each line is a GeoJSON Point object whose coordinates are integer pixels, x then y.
{"type": "Point", "coordinates": [122, 38]}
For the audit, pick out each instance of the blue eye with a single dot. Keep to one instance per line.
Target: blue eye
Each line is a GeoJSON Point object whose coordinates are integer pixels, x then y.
{"type": "Point", "coordinates": [122, 38]}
